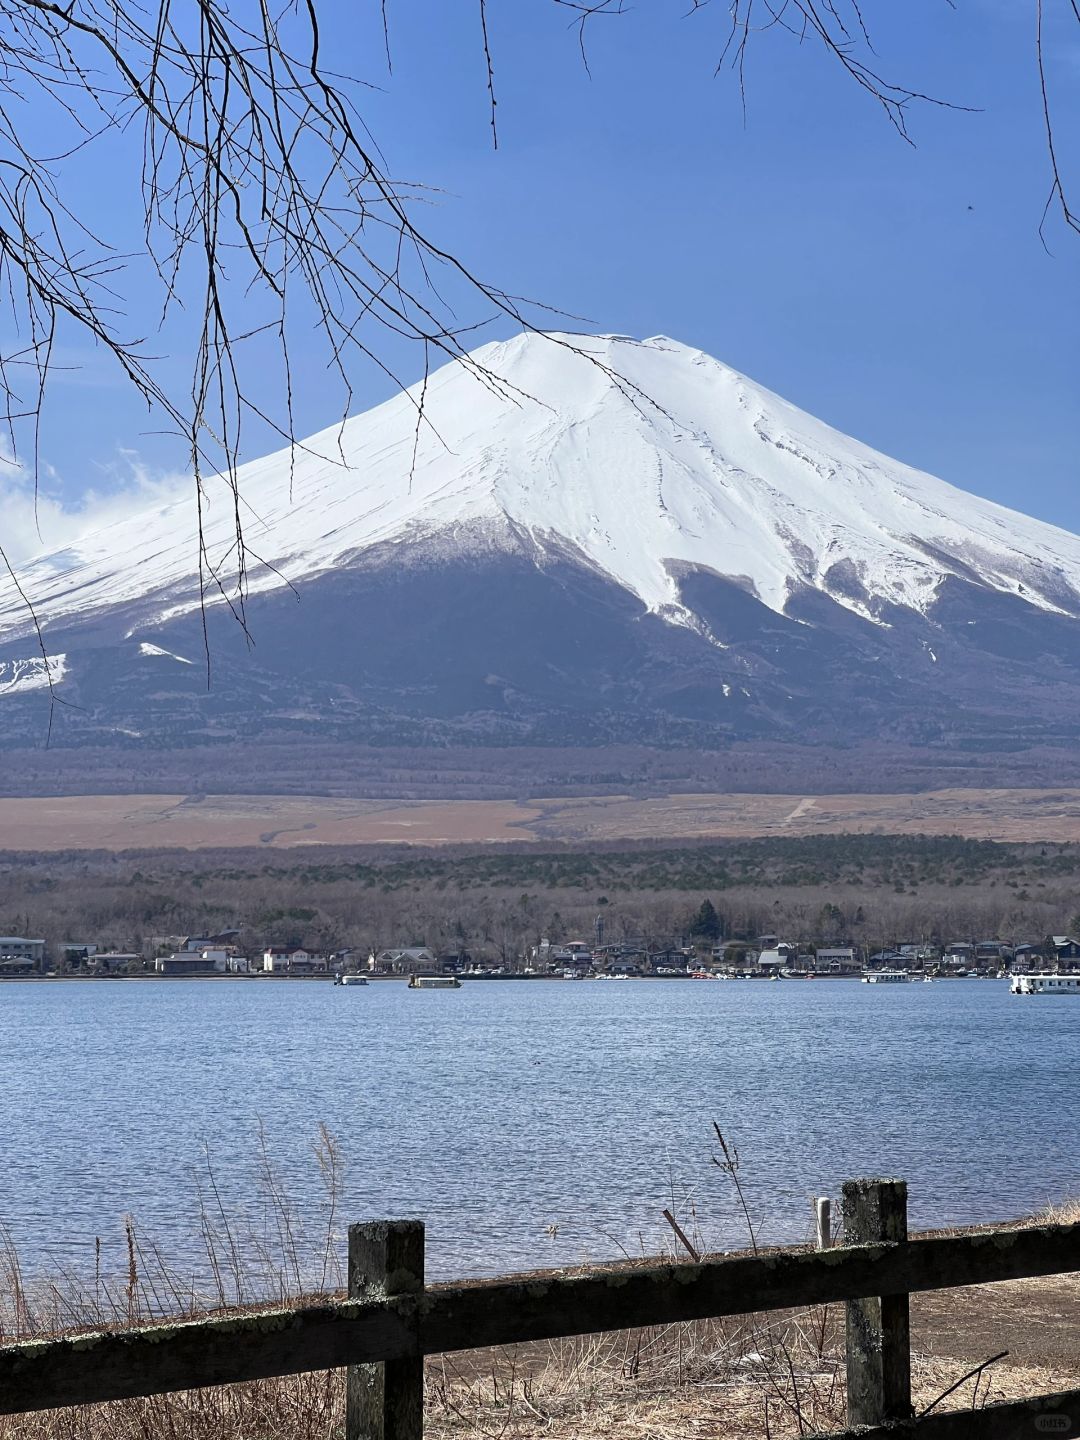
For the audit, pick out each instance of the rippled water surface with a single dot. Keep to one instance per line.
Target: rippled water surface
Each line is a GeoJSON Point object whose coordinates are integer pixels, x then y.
{"type": "Point", "coordinates": [500, 1110]}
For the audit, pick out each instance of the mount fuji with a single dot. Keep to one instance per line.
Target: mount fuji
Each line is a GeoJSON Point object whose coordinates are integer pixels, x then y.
{"type": "Point", "coordinates": [581, 541]}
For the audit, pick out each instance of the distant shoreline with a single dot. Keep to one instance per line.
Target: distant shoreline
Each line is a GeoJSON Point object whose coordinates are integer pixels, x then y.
{"type": "Point", "coordinates": [404, 979]}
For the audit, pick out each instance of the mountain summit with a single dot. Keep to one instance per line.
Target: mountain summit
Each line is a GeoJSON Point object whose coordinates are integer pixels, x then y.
{"type": "Point", "coordinates": [642, 457]}
{"type": "Point", "coordinates": [576, 541]}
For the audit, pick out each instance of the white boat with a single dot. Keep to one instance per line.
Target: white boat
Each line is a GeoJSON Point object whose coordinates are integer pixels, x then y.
{"type": "Point", "coordinates": [434, 982]}
{"type": "Point", "coordinates": [886, 977]}
{"type": "Point", "coordinates": [350, 980]}
{"type": "Point", "coordinates": [1045, 984]}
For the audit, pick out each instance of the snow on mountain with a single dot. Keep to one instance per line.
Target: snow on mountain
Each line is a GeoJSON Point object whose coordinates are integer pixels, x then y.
{"type": "Point", "coordinates": [642, 459]}
{"type": "Point", "coordinates": [156, 652]}
{"type": "Point", "coordinates": [19, 677]}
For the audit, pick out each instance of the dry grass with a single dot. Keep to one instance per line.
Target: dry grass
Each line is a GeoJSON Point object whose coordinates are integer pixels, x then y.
{"type": "Point", "coordinates": [1062, 1212]}
{"type": "Point", "coordinates": [757, 1377]}
{"type": "Point", "coordinates": [279, 1256]}
{"type": "Point", "coordinates": [770, 1376]}
{"type": "Point", "coordinates": [776, 1375]}
{"type": "Point", "coordinates": [124, 822]}
{"type": "Point", "coordinates": [740, 1378]}
{"type": "Point", "coordinates": [306, 1407]}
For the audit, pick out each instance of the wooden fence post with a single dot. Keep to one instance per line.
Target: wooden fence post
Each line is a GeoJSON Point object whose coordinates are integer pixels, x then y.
{"type": "Point", "coordinates": [823, 1222]}
{"type": "Point", "coordinates": [878, 1333]}
{"type": "Point", "coordinates": [385, 1402]}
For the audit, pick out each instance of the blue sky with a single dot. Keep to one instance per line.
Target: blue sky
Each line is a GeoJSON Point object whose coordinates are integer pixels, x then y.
{"type": "Point", "coordinates": [900, 293]}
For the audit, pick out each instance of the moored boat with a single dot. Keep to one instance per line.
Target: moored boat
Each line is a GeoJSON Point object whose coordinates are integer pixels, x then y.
{"type": "Point", "coordinates": [350, 980]}
{"type": "Point", "coordinates": [1045, 984]}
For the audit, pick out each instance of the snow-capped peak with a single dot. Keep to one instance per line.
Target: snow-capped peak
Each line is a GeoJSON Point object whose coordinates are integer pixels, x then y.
{"type": "Point", "coordinates": [644, 458]}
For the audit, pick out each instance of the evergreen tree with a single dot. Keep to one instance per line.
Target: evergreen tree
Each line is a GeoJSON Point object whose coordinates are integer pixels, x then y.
{"type": "Point", "coordinates": [706, 923]}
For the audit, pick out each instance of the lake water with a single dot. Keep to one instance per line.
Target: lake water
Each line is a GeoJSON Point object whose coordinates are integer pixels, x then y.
{"type": "Point", "coordinates": [500, 1110]}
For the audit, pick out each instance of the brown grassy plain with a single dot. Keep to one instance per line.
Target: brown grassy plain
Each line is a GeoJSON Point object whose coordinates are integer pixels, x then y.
{"type": "Point", "coordinates": [121, 822]}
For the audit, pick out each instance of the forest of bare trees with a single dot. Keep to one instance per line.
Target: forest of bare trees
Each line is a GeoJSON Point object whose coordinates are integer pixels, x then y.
{"type": "Point", "coordinates": [460, 772]}
{"type": "Point", "coordinates": [869, 890]}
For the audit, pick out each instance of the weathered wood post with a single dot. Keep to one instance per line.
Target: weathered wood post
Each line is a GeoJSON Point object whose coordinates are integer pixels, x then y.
{"type": "Point", "coordinates": [823, 1222]}
{"type": "Point", "coordinates": [878, 1334]}
{"type": "Point", "coordinates": [385, 1402]}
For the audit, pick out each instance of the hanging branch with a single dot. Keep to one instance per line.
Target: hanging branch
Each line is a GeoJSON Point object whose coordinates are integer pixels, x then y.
{"type": "Point", "coordinates": [266, 204]}
{"type": "Point", "coordinates": [261, 192]}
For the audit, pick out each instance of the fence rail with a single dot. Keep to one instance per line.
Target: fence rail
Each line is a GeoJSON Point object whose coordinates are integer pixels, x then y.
{"type": "Point", "coordinates": [392, 1320]}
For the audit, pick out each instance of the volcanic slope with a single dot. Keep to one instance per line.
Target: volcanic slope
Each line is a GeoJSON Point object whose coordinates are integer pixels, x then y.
{"type": "Point", "coordinates": [580, 541]}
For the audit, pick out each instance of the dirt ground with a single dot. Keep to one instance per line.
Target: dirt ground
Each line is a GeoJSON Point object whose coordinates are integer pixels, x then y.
{"type": "Point", "coordinates": [115, 822]}
{"type": "Point", "coordinates": [1037, 1321]}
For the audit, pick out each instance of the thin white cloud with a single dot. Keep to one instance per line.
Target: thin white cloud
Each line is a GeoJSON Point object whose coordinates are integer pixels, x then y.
{"type": "Point", "coordinates": [29, 525]}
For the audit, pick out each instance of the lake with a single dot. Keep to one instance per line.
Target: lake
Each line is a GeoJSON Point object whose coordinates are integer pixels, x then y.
{"type": "Point", "coordinates": [528, 1124]}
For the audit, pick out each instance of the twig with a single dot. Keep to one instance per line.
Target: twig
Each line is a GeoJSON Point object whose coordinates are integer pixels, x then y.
{"type": "Point", "coordinates": [670, 1218]}
{"type": "Point", "coordinates": [970, 1375]}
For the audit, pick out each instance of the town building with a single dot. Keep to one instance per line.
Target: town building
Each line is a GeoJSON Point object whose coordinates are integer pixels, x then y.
{"type": "Point", "coordinates": [992, 953]}
{"type": "Point", "coordinates": [77, 952]}
{"type": "Point", "coordinates": [1065, 948]}
{"type": "Point", "coordinates": [404, 960]}
{"type": "Point", "coordinates": [960, 955]}
{"type": "Point", "coordinates": [185, 962]}
{"type": "Point", "coordinates": [19, 956]}
{"type": "Point", "coordinates": [113, 962]}
{"type": "Point", "coordinates": [837, 960]}
{"type": "Point", "coordinates": [293, 960]}
{"type": "Point", "coordinates": [779, 956]}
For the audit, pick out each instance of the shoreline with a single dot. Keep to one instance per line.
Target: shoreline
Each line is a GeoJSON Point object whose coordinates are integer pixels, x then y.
{"type": "Point", "coordinates": [372, 979]}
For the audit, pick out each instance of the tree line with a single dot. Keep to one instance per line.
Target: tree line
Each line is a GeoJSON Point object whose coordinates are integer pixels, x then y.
{"type": "Point", "coordinates": [869, 890]}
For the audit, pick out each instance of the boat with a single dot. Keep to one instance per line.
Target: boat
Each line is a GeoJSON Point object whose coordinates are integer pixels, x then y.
{"type": "Point", "coordinates": [350, 980]}
{"type": "Point", "coordinates": [1044, 984]}
{"type": "Point", "coordinates": [434, 982]}
{"type": "Point", "coordinates": [885, 977]}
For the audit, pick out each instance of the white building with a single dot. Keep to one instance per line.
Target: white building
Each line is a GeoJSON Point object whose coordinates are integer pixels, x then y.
{"type": "Point", "coordinates": [278, 960]}
{"type": "Point", "coordinates": [219, 958]}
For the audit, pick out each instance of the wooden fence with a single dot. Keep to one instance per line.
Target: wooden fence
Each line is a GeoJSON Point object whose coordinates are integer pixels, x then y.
{"type": "Point", "coordinates": [392, 1320]}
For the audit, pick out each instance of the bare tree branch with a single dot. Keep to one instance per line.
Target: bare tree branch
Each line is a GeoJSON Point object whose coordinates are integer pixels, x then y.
{"type": "Point", "coordinates": [267, 205]}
